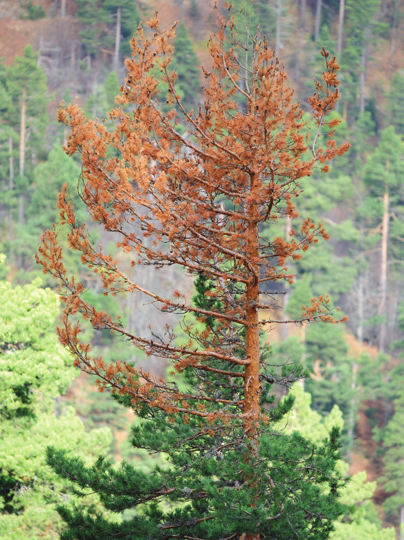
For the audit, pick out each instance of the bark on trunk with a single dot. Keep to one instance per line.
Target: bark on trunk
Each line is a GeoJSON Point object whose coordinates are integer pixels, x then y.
{"type": "Point", "coordinates": [383, 269]}
{"type": "Point", "coordinates": [115, 65]}
{"type": "Point", "coordinates": [361, 288]}
{"type": "Point", "coordinates": [352, 407]}
{"type": "Point", "coordinates": [317, 24]}
{"type": "Point", "coordinates": [20, 261]}
{"type": "Point", "coordinates": [362, 75]}
{"type": "Point", "coordinates": [340, 28]}
{"type": "Point", "coordinates": [393, 41]}
{"type": "Point", "coordinates": [23, 130]}
{"type": "Point", "coordinates": [252, 386]}
{"type": "Point", "coordinates": [62, 31]}
{"type": "Point", "coordinates": [73, 56]}
{"type": "Point", "coordinates": [303, 14]}
{"type": "Point", "coordinates": [22, 163]}
{"type": "Point", "coordinates": [11, 188]}
{"type": "Point", "coordinates": [278, 27]}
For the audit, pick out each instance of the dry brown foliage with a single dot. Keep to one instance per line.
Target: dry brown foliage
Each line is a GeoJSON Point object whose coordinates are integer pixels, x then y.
{"type": "Point", "coordinates": [198, 200]}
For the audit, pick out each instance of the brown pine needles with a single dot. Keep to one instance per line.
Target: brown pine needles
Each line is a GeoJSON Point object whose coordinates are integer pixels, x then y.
{"type": "Point", "coordinates": [202, 198]}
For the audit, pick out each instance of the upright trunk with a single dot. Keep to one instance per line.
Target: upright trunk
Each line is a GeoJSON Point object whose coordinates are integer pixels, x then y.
{"type": "Point", "coordinates": [361, 300]}
{"type": "Point", "coordinates": [23, 130]}
{"type": "Point", "coordinates": [303, 14]}
{"type": "Point", "coordinates": [252, 386]}
{"type": "Point", "coordinates": [359, 335]}
{"type": "Point", "coordinates": [278, 27]}
{"type": "Point", "coordinates": [318, 20]}
{"type": "Point", "coordinates": [362, 76]}
{"type": "Point", "coordinates": [340, 28]}
{"type": "Point", "coordinates": [22, 162]}
{"type": "Point", "coordinates": [352, 407]}
{"type": "Point", "coordinates": [383, 269]}
{"type": "Point", "coordinates": [11, 188]}
{"type": "Point", "coordinates": [62, 31]}
{"type": "Point", "coordinates": [117, 40]}
{"type": "Point", "coordinates": [393, 40]}
{"type": "Point", "coordinates": [73, 56]}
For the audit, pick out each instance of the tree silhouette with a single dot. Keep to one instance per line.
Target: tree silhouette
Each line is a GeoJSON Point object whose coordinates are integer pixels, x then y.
{"type": "Point", "coordinates": [199, 201]}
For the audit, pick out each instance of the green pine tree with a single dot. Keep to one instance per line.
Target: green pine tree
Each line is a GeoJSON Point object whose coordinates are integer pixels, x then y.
{"type": "Point", "coordinates": [99, 19]}
{"type": "Point", "coordinates": [26, 118]}
{"type": "Point", "coordinates": [393, 461]}
{"type": "Point", "coordinates": [395, 99]}
{"type": "Point", "coordinates": [186, 64]}
{"type": "Point", "coordinates": [35, 370]}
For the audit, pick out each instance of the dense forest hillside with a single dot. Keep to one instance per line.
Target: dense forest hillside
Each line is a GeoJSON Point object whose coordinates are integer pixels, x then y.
{"type": "Point", "coordinates": [55, 50]}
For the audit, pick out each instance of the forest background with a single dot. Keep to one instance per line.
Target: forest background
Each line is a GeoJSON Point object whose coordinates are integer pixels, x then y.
{"type": "Point", "coordinates": [61, 49]}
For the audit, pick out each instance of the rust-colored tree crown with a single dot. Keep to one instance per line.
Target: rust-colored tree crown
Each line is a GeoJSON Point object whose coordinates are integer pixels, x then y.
{"type": "Point", "coordinates": [197, 198]}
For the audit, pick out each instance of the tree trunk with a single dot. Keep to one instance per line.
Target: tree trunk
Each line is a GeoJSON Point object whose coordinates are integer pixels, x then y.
{"type": "Point", "coordinates": [115, 64]}
{"type": "Point", "coordinates": [393, 41]}
{"type": "Point", "coordinates": [353, 403]}
{"type": "Point", "coordinates": [73, 56]}
{"type": "Point", "coordinates": [317, 24]}
{"type": "Point", "coordinates": [352, 407]}
{"type": "Point", "coordinates": [383, 269]}
{"type": "Point", "coordinates": [362, 76]}
{"type": "Point", "coordinates": [252, 386]}
{"type": "Point", "coordinates": [361, 286]}
{"type": "Point", "coordinates": [23, 130]}
{"type": "Point", "coordinates": [340, 28]}
{"type": "Point", "coordinates": [22, 162]}
{"type": "Point", "coordinates": [11, 188]}
{"type": "Point", "coordinates": [303, 15]}
{"type": "Point", "coordinates": [20, 261]}
{"type": "Point", "coordinates": [278, 44]}
{"type": "Point", "coordinates": [62, 31]}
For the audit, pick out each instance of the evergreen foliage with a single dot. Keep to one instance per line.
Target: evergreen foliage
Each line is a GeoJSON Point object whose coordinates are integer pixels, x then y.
{"type": "Point", "coordinates": [99, 20]}
{"type": "Point", "coordinates": [186, 65]}
{"type": "Point", "coordinates": [393, 460]}
{"type": "Point", "coordinates": [395, 99]}
{"type": "Point", "coordinates": [35, 370]}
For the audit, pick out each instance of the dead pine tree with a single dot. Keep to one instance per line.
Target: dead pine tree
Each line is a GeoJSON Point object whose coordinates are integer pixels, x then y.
{"type": "Point", "coordinates": [200, 202]}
